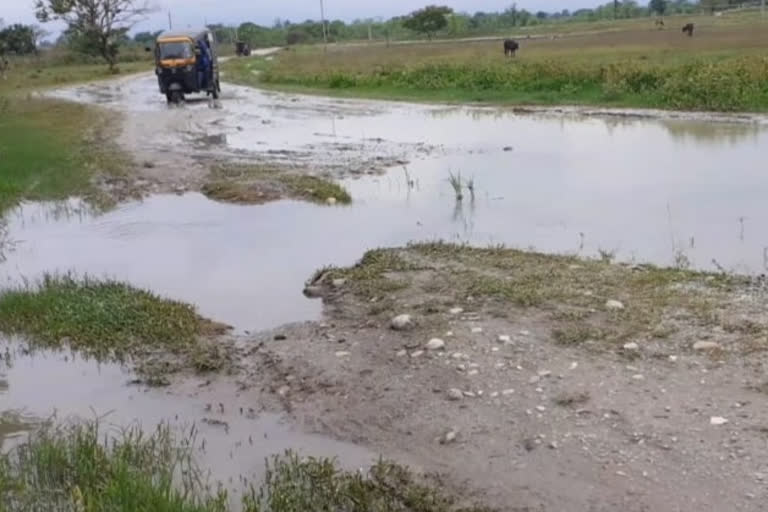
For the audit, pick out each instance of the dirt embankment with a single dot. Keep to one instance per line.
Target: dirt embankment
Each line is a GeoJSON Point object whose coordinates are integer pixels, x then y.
{"type": "Point", "coordinates": [536, 382]}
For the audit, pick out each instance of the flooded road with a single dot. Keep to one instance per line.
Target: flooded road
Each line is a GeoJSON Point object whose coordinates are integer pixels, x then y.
{"type": "Point", "coordinates": [668, 191]}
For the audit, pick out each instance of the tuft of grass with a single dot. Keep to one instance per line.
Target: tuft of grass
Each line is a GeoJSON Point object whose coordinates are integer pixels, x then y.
{"type": "Point", "coordinates": [102, 318]}
{"type": "Point", "coordinates": [81, 468]}
{"type": "Point", "coordinates": [293, 484]}
{"type": "Point", "coordinates": [255, 184]}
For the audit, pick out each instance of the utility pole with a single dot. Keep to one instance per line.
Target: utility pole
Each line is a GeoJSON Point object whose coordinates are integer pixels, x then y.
{"type": "Point", "coordinates": [762, 8]}
{"type": "Point", "coordinates": [325, 29]}
{"type": "Point", "coordinates": [170, 21]}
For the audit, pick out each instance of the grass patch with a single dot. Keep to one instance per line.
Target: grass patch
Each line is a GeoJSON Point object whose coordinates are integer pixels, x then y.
{"type": "Point", "coordinates": [85, 469]}
{"type": "Point", "coordinates": [51, 150]}
{"type": "Point", "coordinates": [722, 68]}
{"type": "Point", "coordinates": [254, 184]}
{"type": "Point", "coordinates": [102, 318]}
{"type": "Point", "coordinates": [568, 293]}
{"type": "Point", "coordinates": [82, 468]}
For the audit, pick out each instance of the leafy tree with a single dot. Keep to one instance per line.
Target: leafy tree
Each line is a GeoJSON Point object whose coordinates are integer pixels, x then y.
{"type": "Point", "coordinates": [18, 39]}
{"type": "Point", "coordinates": [658, 6]}
{"type": "Point", "coordinates": [145, 38]}
{"type": "Point", "coordinates": [428, 20]}
{"type": "Point", "coordinates": [99, 25]}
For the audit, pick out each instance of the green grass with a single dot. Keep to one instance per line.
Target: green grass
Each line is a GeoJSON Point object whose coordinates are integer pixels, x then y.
{"type": "Point", "coordinates": [52, 150]}
{"type": "Point", "coordinates": [250, 184]}
{"type": "Point", "coordinates": [103, 318]}
{"type": "Point", "coordinates": [82, 468]}
{"type": "Point", "coordinates": [722, 68]}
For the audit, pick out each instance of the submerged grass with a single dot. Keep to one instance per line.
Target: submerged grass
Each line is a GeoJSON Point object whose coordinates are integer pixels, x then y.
{"type": "Point", "coordinates": [103, 318]}
{"type": "Point", "coordinates": [82, 468]}
{"type": "Point", "coordinates": [257, 184]}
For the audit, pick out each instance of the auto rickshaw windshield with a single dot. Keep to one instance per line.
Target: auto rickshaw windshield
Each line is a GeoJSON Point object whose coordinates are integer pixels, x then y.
{"type": "Point", "coordinates": [176, 50]}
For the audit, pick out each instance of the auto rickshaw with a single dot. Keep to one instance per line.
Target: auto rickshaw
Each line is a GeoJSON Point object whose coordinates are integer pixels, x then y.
{"type": "Point", "coordinates": [242, 49]}
{"type": "Point", "coordinates": [187, 62]}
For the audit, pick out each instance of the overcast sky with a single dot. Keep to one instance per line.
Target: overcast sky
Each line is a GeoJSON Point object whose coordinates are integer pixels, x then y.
{"type": "Point", "coordinates": [196, 12]}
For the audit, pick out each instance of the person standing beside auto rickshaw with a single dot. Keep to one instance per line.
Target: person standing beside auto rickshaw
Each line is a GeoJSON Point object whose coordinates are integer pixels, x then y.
{"type": "Point", "coordinates": [204, 65]}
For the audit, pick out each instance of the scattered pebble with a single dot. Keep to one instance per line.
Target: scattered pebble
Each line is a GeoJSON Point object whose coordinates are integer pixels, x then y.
{"type": "Point", "coordinates": [553, 445]}
{"type": "Point", "coordinates": [494, 394]}
{"type": "Point", "coordinates": [541, 408]}
{"type": "Point", "coordinates": [706, 345]}
{"type": "Point", "coordinates": [449, 334]}
{"type": "Point", "coordinates": [454, 394]}
{"type": "Point", "coordinates": [638, 376]}
{"type": "Point", "coordinates": [508, 392]}
{"type": "Point", "coordinates": [495, 349]}
{"type": "Point", "coordinates": [402, 353]}
{"type": "Point", "coordinates": [525, 333]}
{"type": "Point", "coordinates": [673, 359]}
{"type": "Point", "coordinates": [461, 367]}
{"type": "Point", "coordinates": [574, 365]}
{"type": "Point", "coordinates": [416, 354]}
{"type": "Point", "coordinates": [477, 330]}
{"type": "Point", "coordinates": [614, 305]}
{"type": "Point", "coordinates": [283, 390]}
{"type": "Point", "coordinates": [631, 347]}
{"type": "Point", "coordinates": [435, 344]}
{"type": "Point", "coordinates": [472, 373]}
{"type": "Point", "coordinates": [544, 373]}
{"type": "Point", "coordinates": [534, 379]}
{"type": "Point", "coordinates": [503, 338]}
{"type": "Point", "coordinates": [717, 421]}
{"type": "Point", "coordinates": [338, 283]}
{"type": "Point", "coordinates": [342, 353]}
{"type": "Point", "coordinates": [469, 394]}
{"type": "Point", "coordinates": [402, 322]}
{"type": "Point", "coordinates": [449, 437]}
{"type": "Point", "coordinates": [457, 355]}
{"type": "Point", "coordinates": [456, 311]}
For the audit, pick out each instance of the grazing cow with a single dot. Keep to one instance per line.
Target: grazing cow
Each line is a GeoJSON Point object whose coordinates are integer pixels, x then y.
{"type": "Point", "coordinates": [688, 29]}
{"type": "Point", "coordinates": [510, 47]}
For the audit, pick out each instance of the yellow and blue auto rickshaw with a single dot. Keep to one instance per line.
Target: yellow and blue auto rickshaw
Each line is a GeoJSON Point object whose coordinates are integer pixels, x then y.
{"type": "Point", "coordinates": [186, 63]}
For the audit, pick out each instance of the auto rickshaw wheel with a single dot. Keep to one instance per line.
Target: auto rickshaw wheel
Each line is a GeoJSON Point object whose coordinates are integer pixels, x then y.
{"type": "Point", "coordinates": [175, 97]}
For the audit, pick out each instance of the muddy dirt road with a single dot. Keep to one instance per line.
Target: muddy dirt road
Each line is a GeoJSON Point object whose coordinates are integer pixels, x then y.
{"type": "Point", "coordinates": [537, 424]}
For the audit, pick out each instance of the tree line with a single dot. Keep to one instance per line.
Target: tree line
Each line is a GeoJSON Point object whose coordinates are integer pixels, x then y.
{"type": "Point", "coordinates": [102, 27]}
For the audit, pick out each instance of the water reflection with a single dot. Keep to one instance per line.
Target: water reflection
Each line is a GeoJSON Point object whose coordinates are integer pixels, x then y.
{"type": "Point", "coordinates": [712, 133]}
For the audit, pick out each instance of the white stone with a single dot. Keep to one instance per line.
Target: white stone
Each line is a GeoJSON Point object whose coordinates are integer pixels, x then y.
{"type": "Point", "coordinates": [456, 311]}
{"type": "Point", "coordinates": [416, 354]}
{"type": "Point", "coordinates": [331, 201]}
{"type": "Point", "coordinates": [508, 392]}
{"type": "Point", "coordinates": [614, 305]}
{"type": "Point", "coordinates": [338, 283]}
{"type": "Point", "coordinates": [544, 373]}
{"type": "Point", "coordinates": [705, 345]}
{"type": "Point", "coordinates": [574, 365]}
{"type": "Point", "coordinates": [632, 347]}
{"type": "Point", "coordinates": [435, 344]}
{"type": "Point", "coordinates": [534, 380]}
{"type": "Point", "coordinates": [477, 330]}
{"type": "Point", "coordinates": [638, 377]}
{"type": "Point", "coordinates": [525, 333]}
{"type": "Point", "coordinates": [472, 373]}
{"type": "Point", "coordinates": [449, 437]}
{"type": "Point", "coordinates": [541, 408]}
{"type": "Point", "coordinates": [494, 394]}
{"type": "Point", "coordinates": [469, 394]}
{"type": "Point", "coordinates": [717, 421]}
{"type": "Point", "coordinates": [402, 353]}
{"type": "Point", "coordinates": [503, 338]}
{"type": "Point", "coordinates": [401, 322]}
{"type": "Point", "coordinates": [455, 394]}
{"type": "Point", "coordinates": [342, 353]}
{"type": "Point", "coordinates": [495, 349]}
{"type": "Point", "coordinates": [673, 359]}
{"type": "Point", "coordinates": [457, 355]}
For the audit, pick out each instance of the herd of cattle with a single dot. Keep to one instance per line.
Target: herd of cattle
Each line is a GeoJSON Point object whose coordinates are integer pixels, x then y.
{"type": "Point", "coordinates": [511, 46]}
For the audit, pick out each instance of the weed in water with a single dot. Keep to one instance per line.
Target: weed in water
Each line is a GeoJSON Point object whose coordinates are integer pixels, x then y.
{"type": "Point", "coordinates": [471, 187]}
{"type": "Point", "coordinates": [456, 184]}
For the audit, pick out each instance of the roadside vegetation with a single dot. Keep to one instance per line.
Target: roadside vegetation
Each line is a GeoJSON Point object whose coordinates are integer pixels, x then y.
{"type": "Point", "coordinates": [255, 184]}
{"type": "Point", "coordinates": [722, 68]}
{"type": "Point", "coordinates": [110, 320]}
{"type": "Point", "coordinates": [84, 468]}
{"type": "Point", "coordinates": [581, 301]}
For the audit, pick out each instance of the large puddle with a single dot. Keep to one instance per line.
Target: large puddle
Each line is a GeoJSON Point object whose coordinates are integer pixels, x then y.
{"type": "Point", "coordinates": [233, 438]}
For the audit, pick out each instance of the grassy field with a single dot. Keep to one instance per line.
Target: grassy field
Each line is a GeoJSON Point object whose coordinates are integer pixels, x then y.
{"type": "Point", "coordinates": [723, 68]}
{"type": "Point", "coordinates": [53, 149]}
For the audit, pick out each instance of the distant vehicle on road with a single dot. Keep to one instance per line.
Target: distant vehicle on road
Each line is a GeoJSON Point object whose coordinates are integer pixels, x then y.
{"type": "Point", "coordinates": [186, 62]}
{"type": "Point", "coordinates": [242, 49]}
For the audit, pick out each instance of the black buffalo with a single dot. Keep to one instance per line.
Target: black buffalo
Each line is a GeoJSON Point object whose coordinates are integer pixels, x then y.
{"type": "Point", "coordinates": [688, 29]}
{"type": "Point", "coordinates": [510, 47]}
